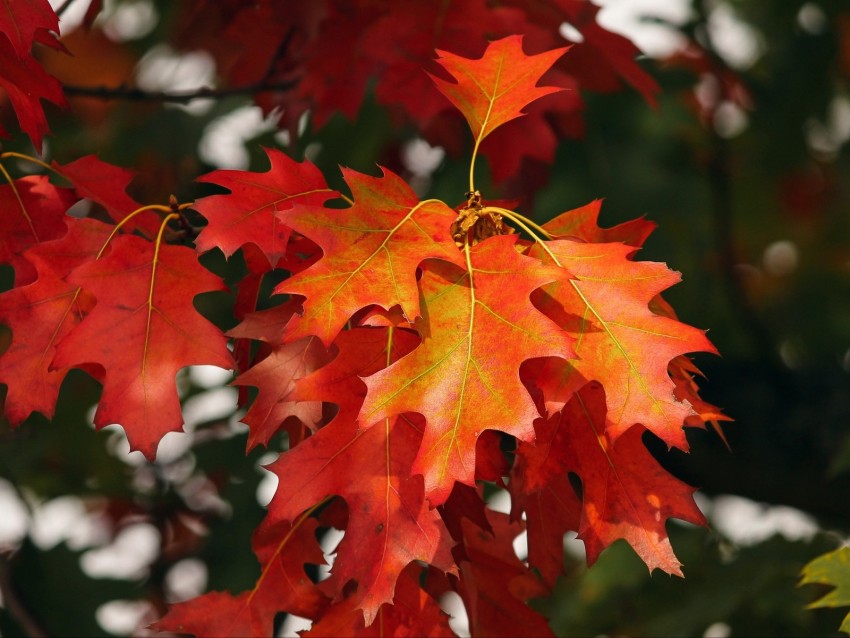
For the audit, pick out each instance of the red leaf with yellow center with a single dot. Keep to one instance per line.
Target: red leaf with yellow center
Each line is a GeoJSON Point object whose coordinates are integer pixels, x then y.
{"type": "Point", "coordinates": [478, 326]}
{"type": "Point", "coordinates": [603, 300]}
{"type": "Point", "coordinates": [371, 252]}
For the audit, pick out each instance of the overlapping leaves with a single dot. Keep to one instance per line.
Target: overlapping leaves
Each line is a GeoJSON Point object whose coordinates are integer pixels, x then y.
{"type": "Point", "coordinates": [416, 341]}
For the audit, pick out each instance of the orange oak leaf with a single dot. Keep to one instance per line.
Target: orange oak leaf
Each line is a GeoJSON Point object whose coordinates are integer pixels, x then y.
{"type": "Point", "coordinates": [142, 331]}
{"type": "Point", "coordinates": [282, 549]}
{"type": "Point", "coordinates": [33, 212]}
{"type": "Point", "coordinates": [494, 89]}
{"type": "Point", "coordinates": [389, 521]}
{"type": "Point", "coordinates": [275, 378]}
{"type": "Point", "coordinates": [620, 342]}
{"type": "Point", "coordinates": [248, 214]}
{"type": "Point", "coordinates": [464, 377]}
{"type": "Point", "coordinates": [625, 492]}
{"type": "Point", "coordinates": [40, 314]}
{"type": "Point", "coordinates": [583, 223]}
{"type": "Point", "coordinates": [371, 252]}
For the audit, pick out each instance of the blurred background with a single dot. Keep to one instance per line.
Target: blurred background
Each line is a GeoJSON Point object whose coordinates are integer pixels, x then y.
{"type": "Point", "coordinates": [743, 164]}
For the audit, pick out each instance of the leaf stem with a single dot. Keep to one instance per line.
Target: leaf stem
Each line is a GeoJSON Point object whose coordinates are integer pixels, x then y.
{"type": "Point", "coordinates": [519, 219]}
{"type": "Point", "coordinates": [17, 195]}
{"type": "Point", "coordinates": [527, 225]}
{"type": "Point", "coordinates": [472, 165]}
{"type": "Point", "coordinates": [29, 158]}
{"type": "Point", "coordinates": [157, 207]}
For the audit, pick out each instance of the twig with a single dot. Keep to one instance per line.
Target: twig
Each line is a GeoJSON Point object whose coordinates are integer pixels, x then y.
{"type": "Point", "coordinates": [63, 8]}
{"type": "Point", "coordinates": [181, 97]}
{"type": "Point", "coordinates": [15, 606]}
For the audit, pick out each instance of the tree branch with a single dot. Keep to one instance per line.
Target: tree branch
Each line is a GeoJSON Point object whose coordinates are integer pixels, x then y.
{"type": "Point", "coordinates": [15, 606]}
{"type": "Point", "coordinates": [179, 97]}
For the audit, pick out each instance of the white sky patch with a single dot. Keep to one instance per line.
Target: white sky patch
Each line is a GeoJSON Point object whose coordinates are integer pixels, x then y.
{"type": "Point", "coordinates": [329, 543]}
{"type": "Point", "coordinates": [128, 556]}
{"type": "Point", "coordinates": [268, 484]}
{"type": "Point", "coordinates": [186, 579]}
{"type": "Point", "coordinates": [209, 377]}
{"type": "Point", "coordinates": [14, 518]}
{"type": "Point", "coordinates": [163, 69]}
{"type": "Point", "coordinates": [223, 141]}
{"type": "Point", "coordinates": [65, 519]}
{"type": "Point", "coordinates": [654, 39]}
{"type": "Point", "coordinates": [736, 41]}
{"type": "Point", "coordinates": [128, 20]}
{"type": "Point", "coordinates": [452, 604]}
{"type": "Point", "coordinates": [420, 158]}
{"type": "Point", "coordinates": [122, 617]}
{"type": "Point", "coordinates": [747, 522]}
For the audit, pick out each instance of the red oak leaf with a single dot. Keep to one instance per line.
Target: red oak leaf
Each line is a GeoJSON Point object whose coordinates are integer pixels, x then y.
{"type": "Point", "coordinates": [106, 184]}
{"type": "Point", "coordinates": [142, 331]}
{"type": "Point", "coordinates": [495, 585]}
{"type": "Point", "coordinates": [549, 513]}
{"type": "Point", "coordinates": [371, 253]}
{"type": "Point", "coordinates": [361, 352]}
{"type": "Point", "coordinates": [20, 22]}
{"type": "Point", "coordinates": [40, 315]}
{"type": "Point", "coordinates": [248, 214]}
{"type": "Point", "coordinates": [275, 378]}
{"type": "Point", "coordinates": [33, 212]}
{"type": "Point", "coordinates": [282, 549]}
{"type": "Point", "coordinates": [494, 89]}
{"type": "Point", "coordinates": [413, 613]}
{"type": "Point", "coordinates": [625, 492]}
{"type": "Point", "coordinates": [463, 378]}
{"type": "Point", "coordinates": [389, 523]}
{"type": "Point", "coordinates": [620, 341]}
{"type": "Point", "coordinates": [27, 84]}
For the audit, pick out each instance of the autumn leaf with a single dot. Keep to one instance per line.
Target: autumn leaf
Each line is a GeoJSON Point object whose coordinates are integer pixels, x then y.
{"type": "Point", "coordinates": [26, 84]}
{"type": "Point", "coordinates": [360, 352]}
{"type": "Point", "coordinates": [249, 213]}
{"type": "Point", "coordinates": [625, 492]}
{"type": "Point", "coordinates": [832, 568]}
{"type": "Point", "coordinates": [494, 89]}
{"type": "Point", "coordinates": [275, 377]}
{"type": "Point", "coordinates": [464, 377]}
{"type": "Point", "coordinates": [390, 523]}
{"type": "Point", "coordinates": [282, 549]}
{"type": "Point", "coordinates": [142, 331]}
{"type": "Point", "coordinates": [583, 223]}
{"type": "Point", "coordinates": [620, 342]}
{"type": "Point", "coordinates": [413, 612]}
{"type": "Point", "coordinates": [371, 252]}
{"type": "Point", "coordinates": [20, 22]}
{"type": "Point", "coordinates": [495, 585]}
{"type": "Point", "coordinates": [33, 212]}
{"type": "Point", "coordinates": [40, 315]}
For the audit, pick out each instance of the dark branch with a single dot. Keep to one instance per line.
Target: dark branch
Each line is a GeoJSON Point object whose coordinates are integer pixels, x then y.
{"type": "Point", "coordinates": [15, 606]}
{"type": "Point", "coordinates": [180, 97]}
